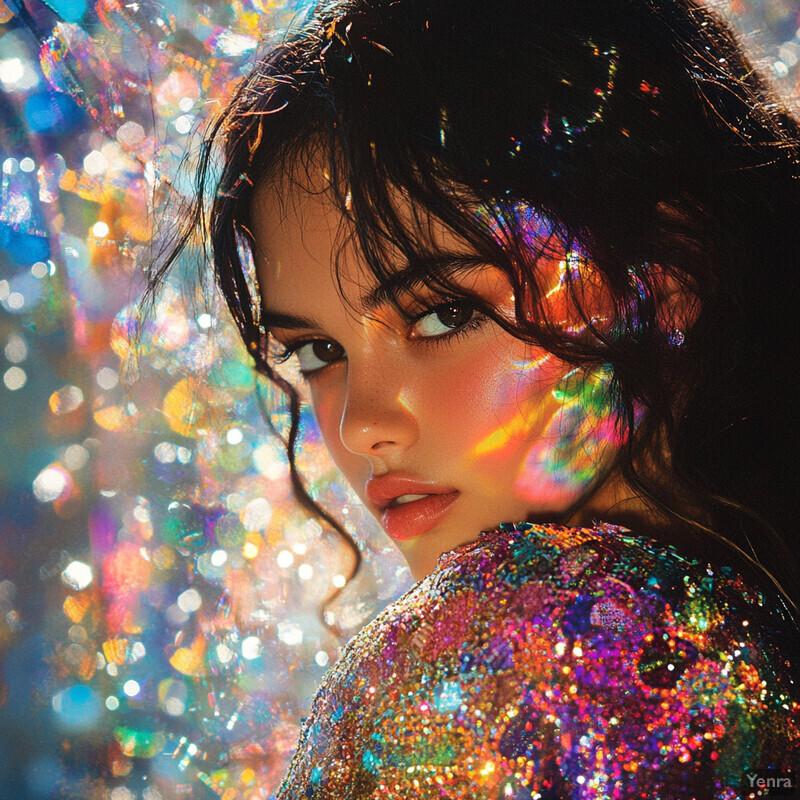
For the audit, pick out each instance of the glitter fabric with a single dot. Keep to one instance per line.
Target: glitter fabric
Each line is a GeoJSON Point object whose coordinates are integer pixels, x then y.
{"type": "Point", "coordinates": [543, 661]}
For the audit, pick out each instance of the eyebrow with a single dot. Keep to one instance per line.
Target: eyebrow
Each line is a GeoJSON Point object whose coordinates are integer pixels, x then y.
{"type": "Point", "coordinates": [412, 275]}
{"type": "Point", "coordinates": [416, 273]}
{"type": "Point", "coordinates": [274, 319]}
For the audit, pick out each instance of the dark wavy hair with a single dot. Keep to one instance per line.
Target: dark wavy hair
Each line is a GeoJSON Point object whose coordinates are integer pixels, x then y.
{"type": "Point", "coordinates": [640, 129]}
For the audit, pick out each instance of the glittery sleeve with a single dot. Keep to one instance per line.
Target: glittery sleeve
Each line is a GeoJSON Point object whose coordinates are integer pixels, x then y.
{"type": "Point", "coordinates": [562, 663]}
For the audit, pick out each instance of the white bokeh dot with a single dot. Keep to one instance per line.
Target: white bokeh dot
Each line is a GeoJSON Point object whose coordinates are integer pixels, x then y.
{"type": "Point", "coordinates": [251, 647]}
{"type": "Point", "coordinates": [15, 301]}
{"type": "Point", "coordinates": [321, 658]}
{"type": "Point", "coordinates": [50, 483]}
{"type": "Point", "coordinates": [16, 349]}
{"type": "Point", "coordinates": [257, 514]}
{"type": "Point", "coordinates": [190, 600]}
{"type": "Point", "coordinates": [107, 378]}
{"type": "Point", "coordinates": [183, 124]}
{"type": "Point", "coordinates": [77, 575]}
{"type": "Point", "coordinates": [95, 163]}
{"type": "Point", "coordinates": [15, 378]}
{"type": "Point", "coordinates": [224, 653]}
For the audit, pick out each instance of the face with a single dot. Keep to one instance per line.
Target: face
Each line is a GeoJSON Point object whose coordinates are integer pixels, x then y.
{"type": "Point", "coordinates": [443, 423]}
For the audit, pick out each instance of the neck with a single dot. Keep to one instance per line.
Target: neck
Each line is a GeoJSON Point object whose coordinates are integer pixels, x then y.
{"type": "Point", "coordinates": [616, 502]}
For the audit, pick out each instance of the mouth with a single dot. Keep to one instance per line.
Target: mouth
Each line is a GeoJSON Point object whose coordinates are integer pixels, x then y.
{"type": "Point", "coordinates": [407, 507]}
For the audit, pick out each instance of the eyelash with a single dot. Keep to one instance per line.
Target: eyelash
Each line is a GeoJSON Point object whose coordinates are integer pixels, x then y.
{"type": "Point", "coordinates": [477, 321]}
{"type": "Point", "coordinates": [291, 349]}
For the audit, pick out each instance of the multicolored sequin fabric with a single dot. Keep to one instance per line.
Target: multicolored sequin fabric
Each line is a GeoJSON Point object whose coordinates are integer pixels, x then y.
{"type": "Point", "coordinates": [551, 662]}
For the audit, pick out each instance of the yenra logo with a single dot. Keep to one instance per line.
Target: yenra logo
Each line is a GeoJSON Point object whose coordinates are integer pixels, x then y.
{"type": "Point", "coordinates": [779, 782]}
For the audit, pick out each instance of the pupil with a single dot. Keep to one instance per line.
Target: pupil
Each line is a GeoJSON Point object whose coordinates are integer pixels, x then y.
{"type": "Point", "coordinates": [327, 351]}
{"type": "Point", "coordinates": [454, 316]}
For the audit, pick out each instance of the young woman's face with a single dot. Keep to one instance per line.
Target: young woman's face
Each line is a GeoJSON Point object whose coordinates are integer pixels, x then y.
{"type": "Point", "coordinates": [443, 423]}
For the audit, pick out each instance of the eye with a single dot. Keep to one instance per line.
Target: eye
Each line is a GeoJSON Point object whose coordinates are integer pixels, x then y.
{"type": "Point", "coordinates": [445, 318]}
{"type": "Point", "coordinates": [316, 354]}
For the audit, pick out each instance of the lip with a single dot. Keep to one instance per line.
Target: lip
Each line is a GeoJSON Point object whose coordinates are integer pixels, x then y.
{"type": "Point", "coordinates": [409, 520]}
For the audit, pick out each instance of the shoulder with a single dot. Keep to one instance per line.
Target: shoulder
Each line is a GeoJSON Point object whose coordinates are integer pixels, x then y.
{"type": "Point", "coordinates": [545, 652]}
{"type": "Point", "coordinates": [583, 583]}
{"type": "Point", "coordinates": [601, 615]}
{"type": "Point", "coordinates": [614, 596]}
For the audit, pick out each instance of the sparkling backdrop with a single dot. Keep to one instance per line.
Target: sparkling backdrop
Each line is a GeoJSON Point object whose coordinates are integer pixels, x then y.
{"type": "Point", "coordinates": [160, 592]}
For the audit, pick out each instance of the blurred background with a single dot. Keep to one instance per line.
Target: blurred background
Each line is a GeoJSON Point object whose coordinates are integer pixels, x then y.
{"type": "Point", "coordinates": [161, 595]}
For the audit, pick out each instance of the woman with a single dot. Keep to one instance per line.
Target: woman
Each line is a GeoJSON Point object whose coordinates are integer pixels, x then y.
{"type": "Point", "coordinates": [532, 260]}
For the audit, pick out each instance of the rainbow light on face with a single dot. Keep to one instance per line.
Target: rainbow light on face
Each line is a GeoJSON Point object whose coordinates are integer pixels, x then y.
{"type": "Point", "coordinates": [528, 410]}
{"type": "Point", "coordinates": [528, 367]}
{"type": "Point", "coordinates": [571, 452]}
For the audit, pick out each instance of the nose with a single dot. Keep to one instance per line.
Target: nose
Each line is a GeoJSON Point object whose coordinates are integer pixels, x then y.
{"type": "Point", "coordinates": [376, 420]}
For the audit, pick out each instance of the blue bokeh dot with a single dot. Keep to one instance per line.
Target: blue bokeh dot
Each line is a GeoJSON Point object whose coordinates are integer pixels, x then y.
{"type": "Point", "coordinates": [47, 112]}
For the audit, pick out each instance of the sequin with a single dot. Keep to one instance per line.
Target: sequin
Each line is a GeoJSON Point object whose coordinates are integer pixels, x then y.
{"type": "Point", "coordinates": [543, 661]}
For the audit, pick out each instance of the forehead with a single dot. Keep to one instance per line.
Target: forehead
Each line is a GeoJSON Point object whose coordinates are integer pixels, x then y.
{"type": "Point", "coordinates": [303, 242]}
{"type": "Point", "coordinates": [300, 238]}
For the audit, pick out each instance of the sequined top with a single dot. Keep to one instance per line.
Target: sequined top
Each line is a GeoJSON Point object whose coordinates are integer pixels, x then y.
{"type": "Point", "coordinates": [550, 662]}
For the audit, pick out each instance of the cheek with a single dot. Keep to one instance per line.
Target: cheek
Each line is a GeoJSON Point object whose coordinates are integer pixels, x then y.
{"type": "Point", "coordinates": [488, 409]}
